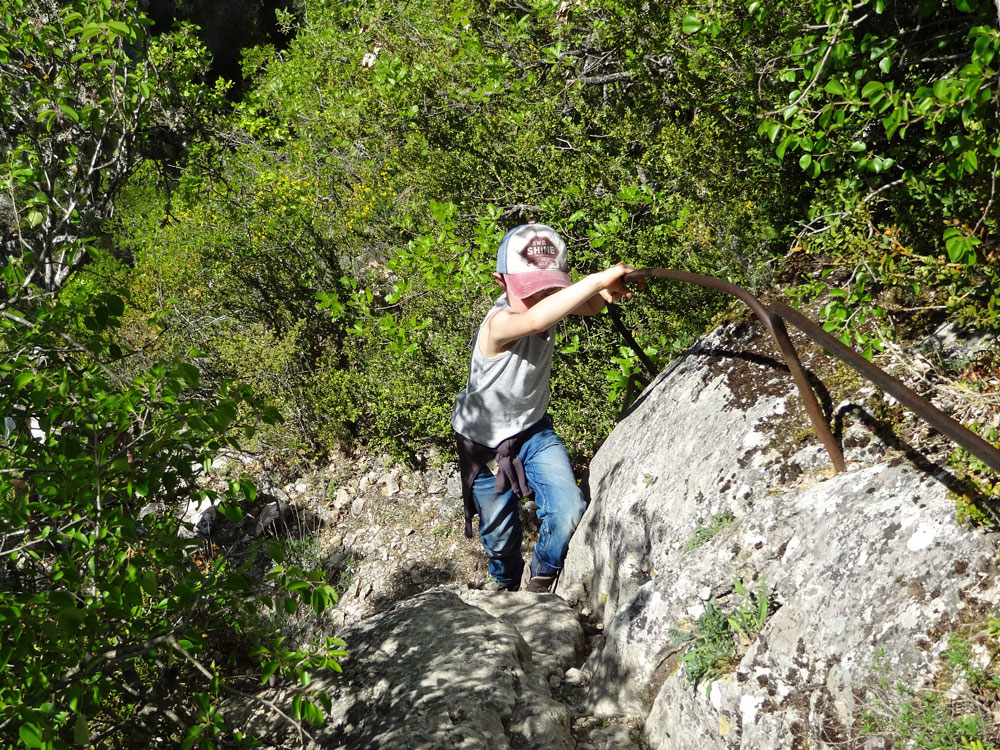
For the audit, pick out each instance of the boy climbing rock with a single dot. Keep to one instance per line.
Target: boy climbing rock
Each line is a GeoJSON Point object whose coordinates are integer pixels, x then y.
{"type": "Point", "coordinates": [506, 445]}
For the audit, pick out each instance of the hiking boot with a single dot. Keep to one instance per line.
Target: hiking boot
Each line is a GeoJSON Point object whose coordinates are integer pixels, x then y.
{"type": "Point", "coordinates": [494, 586]}
{"type": "Point", "coordinates": [540, 584]}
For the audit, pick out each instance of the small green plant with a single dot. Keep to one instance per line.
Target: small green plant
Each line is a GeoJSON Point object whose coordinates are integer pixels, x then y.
{"type": "Point", "coordinates": [979, 497]}
{"type": "Point", "coordinates": [959, 657]}
{"type": "Point", "coordinates": [304, 552]}
{"type": "Point", "coordinates": [706, 528]}
{"type": "Point", "coordinates": [717, 639]}
{"type": "Point", "coordinates": [925, 720]}
{"type": "Point", "coordinates": [955, 713]}
{"type": "Point", "coordinates": [346, 576]}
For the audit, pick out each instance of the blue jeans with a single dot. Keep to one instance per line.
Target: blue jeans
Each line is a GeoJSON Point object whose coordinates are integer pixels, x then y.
{"type": "Point", "coordinates": [560, 507]}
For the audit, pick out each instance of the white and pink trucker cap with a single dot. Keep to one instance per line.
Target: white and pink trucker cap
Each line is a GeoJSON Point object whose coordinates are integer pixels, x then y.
{"type": "Point", "coordinates": [532, 257]}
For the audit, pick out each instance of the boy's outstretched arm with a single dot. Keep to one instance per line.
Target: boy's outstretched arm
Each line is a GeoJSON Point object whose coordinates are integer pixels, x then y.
{"type": "Point", "coordinates": [508, 326]}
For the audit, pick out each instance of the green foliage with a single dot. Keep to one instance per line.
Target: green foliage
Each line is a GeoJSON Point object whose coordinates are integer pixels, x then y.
{"type": "Point", "coordinates": [374, 174]}
{"type": "Point", "coordinates": [331, 242]}
{"type": "Point", "coordinates": [101, 598]}
{"type": "Point", "coordinates": [117, 628]}
{"type": "Point", "coordinates": [928, 722]}
{"type": "Point", "coordinates": [976, 505]}
{"type": "Point", "coordinates": [713, 644]}
{"type": "Point", "coordinates": [84, 91]}
{"type": "Point", "coordinates": [705, 529]}
{"type": "Point", "coordinates": [346, 576]}
{"type": "Point", "coordinates": [932, 718]}
{"type": "Point", "coordinates": [889, 110]}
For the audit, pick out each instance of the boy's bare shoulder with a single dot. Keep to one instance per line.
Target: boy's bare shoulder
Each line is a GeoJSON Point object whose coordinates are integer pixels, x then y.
{"type": "Point", "coordinates": [489, 343]}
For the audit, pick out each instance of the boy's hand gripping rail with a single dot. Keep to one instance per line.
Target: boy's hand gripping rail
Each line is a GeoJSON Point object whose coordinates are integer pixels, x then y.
{"type": "Point", "coordinates": [773, 317]}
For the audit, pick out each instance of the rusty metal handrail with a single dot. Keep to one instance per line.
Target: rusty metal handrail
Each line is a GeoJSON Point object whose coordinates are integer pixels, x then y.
{"type": "Point", "coordinates": [773, 317]}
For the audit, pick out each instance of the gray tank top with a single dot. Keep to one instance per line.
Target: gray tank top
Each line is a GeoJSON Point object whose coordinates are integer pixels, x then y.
{"type": "Point", "coordinates": [505, 394]}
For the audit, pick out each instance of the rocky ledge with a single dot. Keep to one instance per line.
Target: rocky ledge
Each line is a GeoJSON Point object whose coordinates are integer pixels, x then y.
{"type": "Point", "coordinates": [714, 514]}
{"type": "Point", "coordinates": [725, 589]}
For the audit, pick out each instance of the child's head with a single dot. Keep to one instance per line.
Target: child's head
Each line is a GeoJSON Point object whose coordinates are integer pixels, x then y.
{"type": "Point", "coordinates": [531, 260]}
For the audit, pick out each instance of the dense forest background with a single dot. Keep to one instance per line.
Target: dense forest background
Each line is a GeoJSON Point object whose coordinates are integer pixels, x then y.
{"type": "Point", "coordinates": [292, 256]}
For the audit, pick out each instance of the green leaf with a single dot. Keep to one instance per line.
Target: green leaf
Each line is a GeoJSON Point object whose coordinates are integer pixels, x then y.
{"type": "Point", "coordinates": [313, 714]}
{"type": "Point", "coordinates": [188, 373]}
{"type": "Point", "coordinates": [119, 28]}
{"type": "Point", "coordinates": [275, 550]}
{"type": "Point", "coordinates": [891, 123]}
{"type": "Point", "coordinates": [22, 379]}
{"type": "Point", "coordinates": [268, 669]}
{"type": "Point", "coordinates": [223, 415]}
{"type": "Point", "coordinates": [805, 160]}
{"type": "Point", "coordinates": [270, 415]}
{"type": "Point", "coordinates": [771, 129]}
{"type": "Point", "coordinates": [834, 87]}
{"type": "Point", "coordinates": [70, 112]}
{"type": "Point", "coordinates": [81, 731]}
{"type": "Point", "coordinates": [248, 488]}
{"type": "Point", "coordinates": [788, 141]}
{"type": "Point", "coordinates": [148, 582]}
{"type": "Point", "coordinates": [691, 24]}
{"type": "Point", "coordinates": [71, 615]}
{"type": "Point", "coordinates": [90, 30]}
{"type": "Point", "coordinates": [870, 88]}
{"type": "Point", "coordinates": [958, 245]}
{"type": "Point", "coordinates": [114, 304]}
{"type": "Point", "coordinates": [231, 511]}
{"type": "Point", "coordinates": [30, 735]}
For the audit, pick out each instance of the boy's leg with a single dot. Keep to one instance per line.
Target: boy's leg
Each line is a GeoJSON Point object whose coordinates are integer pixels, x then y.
{"type": "Point", "coordinates": [499, 530]}
{"type": "Point", "coordinates": [560, 502]}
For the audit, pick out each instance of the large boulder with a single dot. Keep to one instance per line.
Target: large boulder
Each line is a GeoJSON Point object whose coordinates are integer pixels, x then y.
{"type": "Point", "coordinates": [446, 670]}
{"type": "Point", "coordinates": [714, 485]}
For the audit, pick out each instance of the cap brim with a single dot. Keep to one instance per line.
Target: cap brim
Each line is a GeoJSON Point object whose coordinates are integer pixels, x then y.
{"type": "Point", "coordinates": [525, 284]}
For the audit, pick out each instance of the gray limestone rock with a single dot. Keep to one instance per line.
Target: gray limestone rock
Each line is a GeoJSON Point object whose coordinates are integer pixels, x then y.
{"type": "Point", "coordinates": [952, 342]}
{"type": "Point", "coordinates": [274, 512]}
{"type": "Point", "coordinates": [437, 673]}
{"type": "Point", "coordinates": [343, 498]}
{"type": "Point", "coordinates": [860, 569]}
{"type": "Point", "coordinates": [390, 484]}
{"type": "Point", "coordinates": [357, 507]}
{"type": "Point", "coordinates": [545, 621]}
{"type": "Point", "coordinates": [197, 517]}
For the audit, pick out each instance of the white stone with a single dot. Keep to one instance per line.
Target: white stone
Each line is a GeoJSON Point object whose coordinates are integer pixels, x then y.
{"type": "Point", "coordinates": [922, 538]}
{"type": "Point", "coordinates": [343, 498]}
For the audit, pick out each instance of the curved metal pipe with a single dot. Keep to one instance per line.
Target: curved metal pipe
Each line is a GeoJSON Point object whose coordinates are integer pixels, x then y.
{"type": "Point", "coordinates": [773, 315]}
{"type": "Point", "coordinates": [936, 418]}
